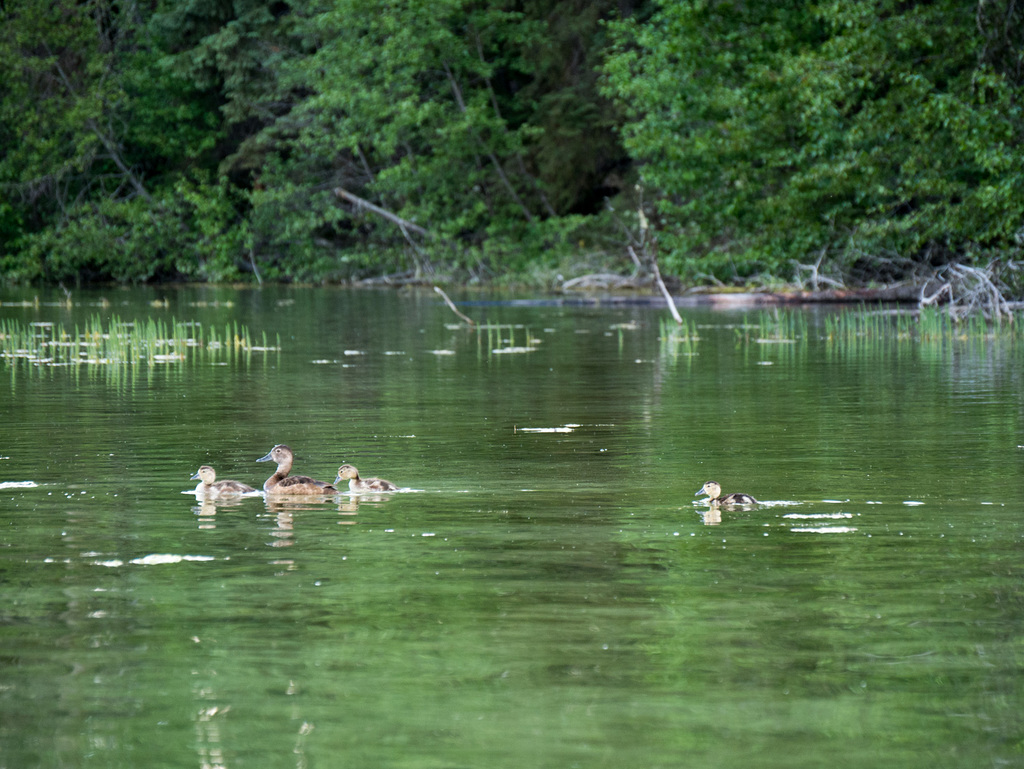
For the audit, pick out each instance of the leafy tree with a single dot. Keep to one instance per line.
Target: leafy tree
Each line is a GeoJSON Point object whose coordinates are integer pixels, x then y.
{"type": "Point", "coordinates": [861, 130]}
{"type": "Point", "coordinates": [206, 138]}
{"type": "Point", "coordinates": [394, 103]}
{"type": "Point", "coordinates": [91, 136]}
{"type": "Point", "coordinates": [458, 116]}
{"type": "Point", "coordinates": [61, 144]}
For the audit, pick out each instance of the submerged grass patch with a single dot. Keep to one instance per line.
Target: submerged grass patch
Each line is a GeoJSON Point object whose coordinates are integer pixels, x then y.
{"type": "Point", "coordinates": [113, 342]}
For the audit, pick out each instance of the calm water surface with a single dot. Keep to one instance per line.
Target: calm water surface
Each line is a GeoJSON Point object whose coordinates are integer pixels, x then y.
{"type": "Point", "coordinates": [545, 591]}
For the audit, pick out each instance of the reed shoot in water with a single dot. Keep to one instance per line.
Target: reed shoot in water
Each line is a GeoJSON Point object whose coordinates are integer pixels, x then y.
{"type": "Point", "coordinates": [113, 341]}
{"type": "Point", "coordinates": [678, 338]}
{"type": "Point", "coordinates": [928, 325]}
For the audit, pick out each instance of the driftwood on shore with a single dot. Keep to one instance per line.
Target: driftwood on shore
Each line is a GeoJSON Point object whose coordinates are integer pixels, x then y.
{"type": "Point", "coordinates": [905, 293]}
{"type": "Point", "coordinates": [605, 282]}
{"type": "Point", "coordinates": [964, 289]}
{"type": "Point", "coordinates": [608, 288]}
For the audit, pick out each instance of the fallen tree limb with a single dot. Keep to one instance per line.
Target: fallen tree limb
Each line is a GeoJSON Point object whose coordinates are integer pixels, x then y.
{"type": "Point", "coordinates": [422, 263]}
{"type": "Point", "coordinates": [945, 289]}
{"type": "Point", "coordinates": [404, 224]}
{"type": "Point", "coordinates": [902, 292]}
{"type": "Point", "coordinates": [661, 285]}
{"type": "Point", "coordinates": [406, 227]}
{"type": "Point", "coordinates": [452, 307]}
{"type": "Point", "coordinates": [602, 281]}
{"type": "Point", "coordinates": [815, 272]}
{"type": "Point", "coordinates": [974, 289]}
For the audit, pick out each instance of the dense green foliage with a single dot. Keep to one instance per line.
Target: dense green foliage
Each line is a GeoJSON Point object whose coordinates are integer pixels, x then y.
{"type": "Point", "coordinates": [205, 139]}
{"type": "Point", "coordinates": [868, 132]}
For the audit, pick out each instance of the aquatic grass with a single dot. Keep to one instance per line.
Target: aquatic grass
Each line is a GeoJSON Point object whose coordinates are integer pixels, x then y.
{"type": "Point", "coordinates": [501, 338]}
{"type": "Point", "coordinates": [777, 328]}
{"type": "Point", "coordinates": [863, 325]}
{"type": "Point", "coordinates": [781, 326]}
{"type": "Point", "coordinates": [114, 342]}
{"type": "Point", "coordinates": [929, 325]}
{"type": "Point", "coordinates": [677, 338]}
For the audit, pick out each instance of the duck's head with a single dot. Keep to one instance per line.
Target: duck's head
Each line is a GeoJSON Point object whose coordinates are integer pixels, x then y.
{"type": "Point", "coordinates": [280, 453]}
{"type": "Point", "coordinates": [346, 473]}
{"type": "Point", "coordinates": [711, 488]}
{"type": "Point", "coordinates": [205, 474]}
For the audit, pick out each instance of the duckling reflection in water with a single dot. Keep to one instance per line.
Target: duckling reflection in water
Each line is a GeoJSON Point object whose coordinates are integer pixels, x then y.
{"type": "Point", "coordinates": [355, 483]}
{"type": "Point", "coordinates": [209, 486]}
{"type": "Point", "coordinates": [714, 492]}
{"type": "Point", "coordinates": [282, 483]}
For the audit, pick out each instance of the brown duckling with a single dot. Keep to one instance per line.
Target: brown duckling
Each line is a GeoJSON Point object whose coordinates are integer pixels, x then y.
{"type": "Point", "coordinates": [282, 483]}
{"type": "Point", "coordinates": [209, 486]}
{"type": "Point", "coordinates": [714, 492]}
{"type": "Point", "coordinates": [355, 483]}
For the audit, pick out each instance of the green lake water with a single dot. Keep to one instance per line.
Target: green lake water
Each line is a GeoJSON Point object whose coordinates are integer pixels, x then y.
{"type": "Point", "coordinates": [545, 590]}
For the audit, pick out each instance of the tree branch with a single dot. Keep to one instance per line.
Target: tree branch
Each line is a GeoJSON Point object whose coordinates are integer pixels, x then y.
{"type": "Point", "coordinates": [490, 154]}
{"type": "Point", "coordinates": [404, 224]}
{"type": "Point", "coordinates": [108, 143]}
{"type": "Point", "coordinates": [452, 307]}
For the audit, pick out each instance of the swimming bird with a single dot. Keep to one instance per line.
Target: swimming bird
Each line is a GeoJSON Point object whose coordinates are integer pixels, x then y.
{"type": "Point", "coordinates": [714, 492]}
{"type": "Point", "coordinates": [209, 486]}
{"type": "Point", "coordinates": [355, 483]}
{"type": "Point", "coordinates": [282, 483]}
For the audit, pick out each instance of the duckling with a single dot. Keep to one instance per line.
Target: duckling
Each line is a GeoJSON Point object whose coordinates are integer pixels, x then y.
{"type": "Point", "coordinates": [355, 483]}
{"type": "Point", "coordinates": [714, 492]}
{"type": "Point", "coordinates": [210, 487]}
{"type": "Point", "coordinates": [281, 483]}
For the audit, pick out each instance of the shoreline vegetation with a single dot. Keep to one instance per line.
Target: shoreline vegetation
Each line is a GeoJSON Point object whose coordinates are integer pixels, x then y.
{"type": "Point", "coordinates": [860, 151]}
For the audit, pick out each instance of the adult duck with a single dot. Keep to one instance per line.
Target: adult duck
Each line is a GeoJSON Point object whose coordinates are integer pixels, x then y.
{"type": "Point", "coordinates": [283, 483]}
{"type": "Point", "coordinates": [714, 492]}
{"type": "Point", "coordinates": [209, 486]}
{"type": "Point", "coordinates": [357, 484]}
